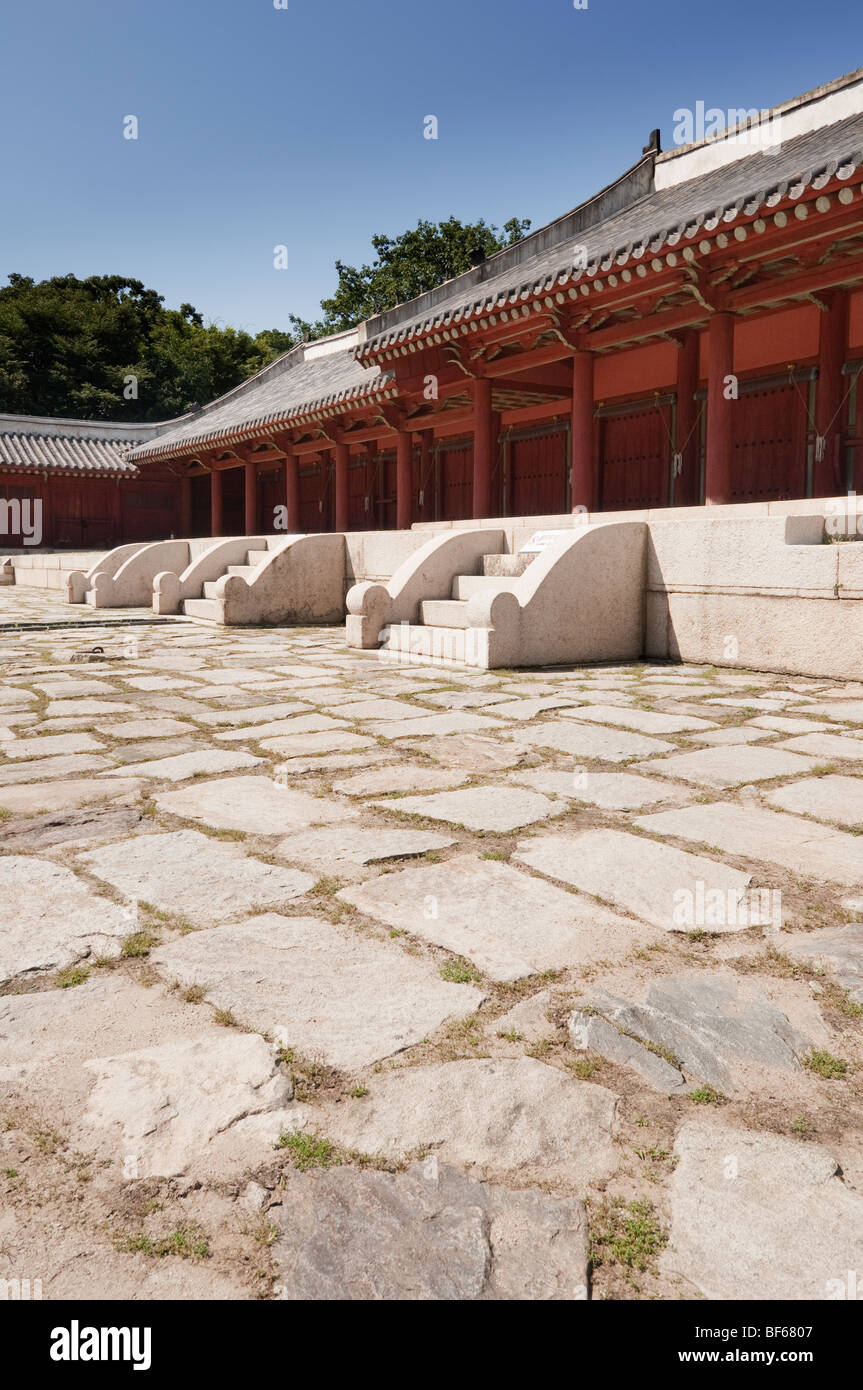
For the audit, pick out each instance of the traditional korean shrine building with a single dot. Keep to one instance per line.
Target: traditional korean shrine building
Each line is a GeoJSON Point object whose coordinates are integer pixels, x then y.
{"type": "Point", "coordinates": [691, 334]}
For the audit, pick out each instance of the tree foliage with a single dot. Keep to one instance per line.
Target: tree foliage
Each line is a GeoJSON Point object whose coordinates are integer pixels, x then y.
{"type": "Point", "coordinates": [68, 348]}
{"type": "Point", "coordinates": [407, 266]}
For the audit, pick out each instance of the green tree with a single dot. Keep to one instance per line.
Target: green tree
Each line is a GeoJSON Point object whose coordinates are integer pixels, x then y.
{"type": "Point", "coordinates": [407, 266]}
{"type": "Point", "coordinates": [69, 346]}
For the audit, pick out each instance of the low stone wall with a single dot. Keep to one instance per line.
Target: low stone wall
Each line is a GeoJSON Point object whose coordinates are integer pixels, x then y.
{"type": "Point", "coordinates": [46, 569]}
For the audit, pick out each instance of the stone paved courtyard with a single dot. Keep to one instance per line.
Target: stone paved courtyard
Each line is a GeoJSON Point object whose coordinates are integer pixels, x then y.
{"type": "Point", "coordinates": [324, 978]}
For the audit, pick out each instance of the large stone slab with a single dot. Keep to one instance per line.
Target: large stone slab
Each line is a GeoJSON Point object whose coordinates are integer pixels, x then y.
{"type": "Point", "coordinates": [323, 989]}
{"type": "Point", "coordinates": [825, 748]}
{"type": "Point", "coordinates": [194, 876]}
{"type": "Point", "coordinates": [431, 1234]}
{"type": "Point", "coordinates": [144, 728]}
{"type": "Point", "coordinates": [84, 709]}
{"type": "Point", "coordinates": [851, 711]}
{"type": "Point", "coordinates": [399, 777]}
{"type": "Point", "coordinates": [64, 796]}
{"type": "Point", "coordinates": [838, 949]}
{"type": "Point", "coordinates": [257, 714]}
{"type": "Point", "coordinates": [492, 808]}
{"type": "Point", "coordinates": [610, 791]}
{"type": "Point", "coordinates": [187, 765]}
{"type": "Point", "coordinates": [299, 724]}
{"type": "Point", "coordinates": [473, 753]}
{"type": "Point", "coordinates": [643, 720]}
{"type": "Point", "coordinates": [52, 745]}
{"type": "Point", "coordinates": [731, 766]}
{"type": "Point", "coordinates": [300, 745]}
{"type": "Point", "coordinates": [608, 745]}
{"type": "Point", "coordinates": [44, 769]}
{"type": "Point", "coordinates": [651, 880]}
{"type": "Point", "coordinates": [509, 924]}
{"type": "Point", "coordinates": [350, 845]}
{"type": "Point", "coordinates": [713, 1024]}
{"type": "Point", "coordinates": [529, 708]}
{"type": "Point", "coordinates": [257, 805]}
{"type": "Point", "coordinates": [232, 675]}
{"type": "Point", "coordinates": [490, 1117]}
{"type": "Point", "coordinates": [816, 851]}
{"type": "Point", "coordinates": [374, 709]}
{"type": "Point", "coordinates": [201, 1104]}
{"type": "Point", "coordinates": [826, 798]}
{"type": "Point", "coordinates": [759, 1216]}
{"type": "Point", "coordinates": [51, 919]}
{"type": "Point", "coordinates": [143, 751]}
{"type": "Point", "coordinates": [71, 688]}
{"type": "Point", "coordinates": [436, 724]}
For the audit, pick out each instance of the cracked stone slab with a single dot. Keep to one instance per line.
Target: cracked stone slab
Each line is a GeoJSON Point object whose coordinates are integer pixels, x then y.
{"type": "Point", "coordinates": [530, 708]}
{"type": "Point", "coordinates": [51, 919]}
{"type": "Point", "coordinates": [730, 766]}
{"type": "Point", "coordinates": [400, 777]}
{"type": "Point", "coordinates": [589, 1032]}
{"type": "Point", "coordinates": [256, 714]}
{"type": "Point", "coordinates": [143, 751]}
{"type": "Point", "coordinates": [299, 724]}
{"type": "Point", "coordinates": [64, 796]}
{"type": "Point", "coordinates": [777, 724]}
{"type": "Point", "coordinates": [712, 1024]}
{"type": "Point", "coordinates": [193, 1104]}
{"type": "Point", "coordinates": [186, 765]}
{"type": "Point", "coordinates": [436, 724]}
{"type": "Point", "coordinates": [321, 988]}
{"type": "Point", "coordinates": [818, 851]}
{"type": "Point", "coordinates": [330, 762]}
{"type": "Point", "coordinates": [231, 675]}
{"type": "Point", "coordinates": [473, 754]}
{"type": "Point", "coordinates": [71, 688]}
{"type": "Point", "coordinates": [489, 1117]}
{"type": "Point", "coordinates": [642, 720]}
{"type": "Point", "coordinates": [352, 845]}
{"type": "Point", "coordinates": [760, 1216]}
{"type": "Point", "coordinates": [493, 808]}
{"type": "Point", "coordinates": [643, 877]}
{"type": "Point", "coordinates": [299, 745]}
{"type": "Point", "coordinates": [610, 791]}
{"type": "Point", "coordinates": [508, 924]}
{"type": "Point", "coordinates": [832, 798]}
{"type": "Point", "coordinates": [584, 741]}
{"type": "Point", "coordinates": [851, 711]}
{"type": "Point", "coordinates": [723, 737]}
{"type": "Point", "coordinates": [257, 805]}
{"type": "Point", "coordinates": [185, 872]}
{"type": "Point", "coordinates": [430, 1234]}
{"type": "Point", "coordinates": [528, 1019]}
{"type": "Point", "coordinates": [838, 949]}
{"type": "Point", "coordinates": [459, 699]}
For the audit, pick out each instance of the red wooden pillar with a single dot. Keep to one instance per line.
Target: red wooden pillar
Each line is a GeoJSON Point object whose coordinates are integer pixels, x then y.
{"type": "Point", "coordinates": [583, 472]}
{"type": "Point", "coordinates": [426, 504]}
{"type": "Point", "coordinates": [483, 447]}
{"type": "Point", "coordinates": [720, 404]}
{"type": "Point", "coordinates": [687, 491]}
{"type": "Point", "coordinates": [342, 456]}
{"type": "Point", "coordinates": [251, 498]}
{"type": "Point", "coordinates": [216, 502]}
{"type": "Point", "coordinates": [185, 506]}
{"type": "Point", "coordinates": [292, 493]}
{"type": "Point", "coordinates": [404, 480]}
{"type": "Point", "coordinates": [828, 478]}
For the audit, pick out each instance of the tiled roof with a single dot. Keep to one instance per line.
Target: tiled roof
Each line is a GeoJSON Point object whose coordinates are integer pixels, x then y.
{"type": "Point", "coordinates": [657, 221]}
{"type": "Point", "coordinates": [77, 448]}
{"type": "Point", "coordinates": [306, 383]}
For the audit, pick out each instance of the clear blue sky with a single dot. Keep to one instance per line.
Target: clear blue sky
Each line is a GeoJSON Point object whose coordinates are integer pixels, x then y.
{"type": "Point", "coordinates": [304, 126]}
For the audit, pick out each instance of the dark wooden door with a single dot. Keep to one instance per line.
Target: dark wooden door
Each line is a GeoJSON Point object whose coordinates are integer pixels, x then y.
{"type": "Point", "coordinates": [769, 437]}
{"type": "Point", "coordinates": [635, 458]}
{"type": "Point", "coordinates": [536, 465]}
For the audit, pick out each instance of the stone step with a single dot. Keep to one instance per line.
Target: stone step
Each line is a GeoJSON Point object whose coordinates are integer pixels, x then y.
{"type": "Point", "coordinates": [447, 646]}
{"type": "Point", "coordinates": [509, 566]}
{"type": "Point", "coordinates": [443, 612]}
{"type": "Point", "coordinates": [255, 558]}
{"type": "Point", "coordinates": [244, 571]}
{"type": "Point", "coordinates": [465, 585]}
{"type": "Point", "coordinates": [205, 609]}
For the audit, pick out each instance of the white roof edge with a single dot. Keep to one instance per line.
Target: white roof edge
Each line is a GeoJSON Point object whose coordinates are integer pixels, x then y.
{"type": "Point", "coordinates": [823, 106]}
